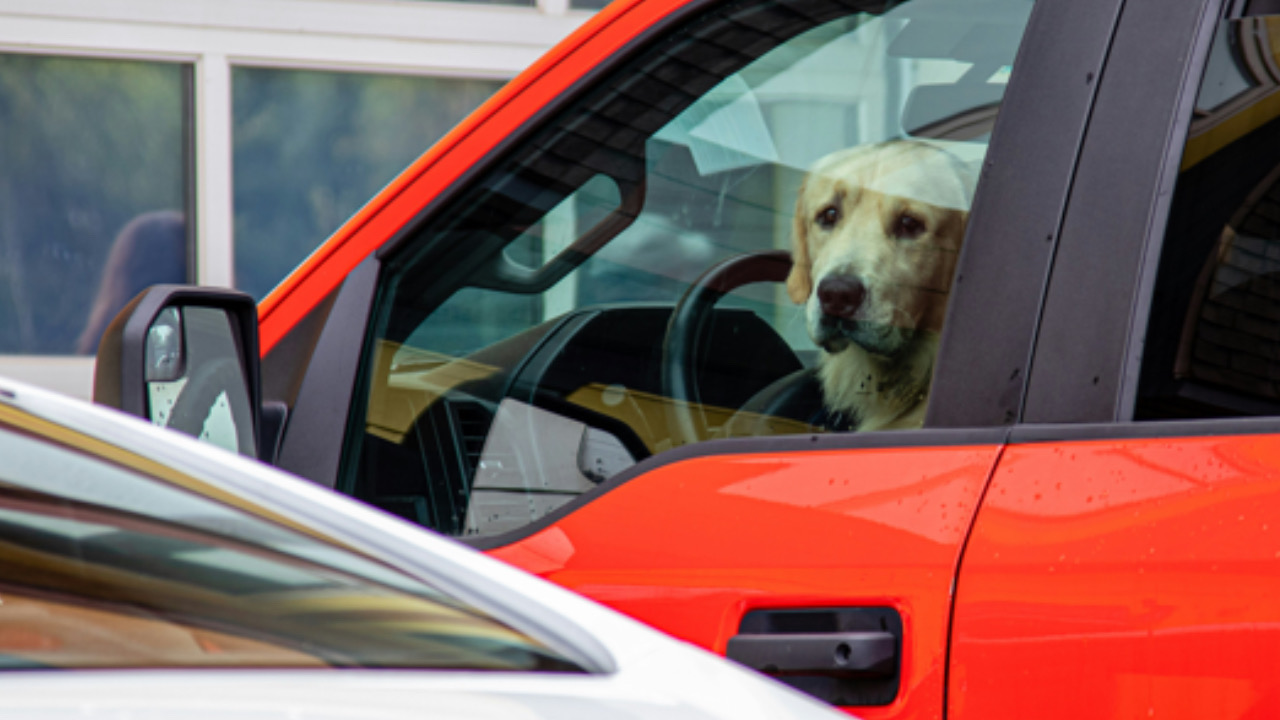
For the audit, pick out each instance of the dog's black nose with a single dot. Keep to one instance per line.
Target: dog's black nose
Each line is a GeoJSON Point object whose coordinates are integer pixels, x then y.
{"type": "Point", "coordinates": [841, 295]}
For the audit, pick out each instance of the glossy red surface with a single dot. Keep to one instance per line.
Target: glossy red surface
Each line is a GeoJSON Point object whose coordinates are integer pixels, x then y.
{"type": "Point", "coordinates": [1123, 579]}
{"type": "Point", "coordinates": [463, 148]}
{"type": "Point", "coordinates": [700, 542]}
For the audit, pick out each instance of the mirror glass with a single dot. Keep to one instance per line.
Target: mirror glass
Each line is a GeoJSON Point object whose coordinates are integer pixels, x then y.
{"type": "Point", "coordinates": [196, 381]}
{"type": "Point", "coordinates": [165, 360]}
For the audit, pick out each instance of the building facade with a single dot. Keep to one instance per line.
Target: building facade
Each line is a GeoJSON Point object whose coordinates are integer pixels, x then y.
{"type": "Point", "coordinates": [214, 141]}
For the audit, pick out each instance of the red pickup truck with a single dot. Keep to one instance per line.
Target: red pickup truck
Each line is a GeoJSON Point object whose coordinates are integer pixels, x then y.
{"type": "Point", "coordinates": [563, 335]}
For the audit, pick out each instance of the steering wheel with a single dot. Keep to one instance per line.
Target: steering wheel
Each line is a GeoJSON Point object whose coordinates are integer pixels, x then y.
{"type": "Point", "coordinates": [686, 330]}
{"type": "Point", "coordinates": [206, 382]}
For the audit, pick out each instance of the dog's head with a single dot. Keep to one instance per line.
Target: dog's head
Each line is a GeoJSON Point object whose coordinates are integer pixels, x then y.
{"type": "Point", "coordinates": [876, 235]}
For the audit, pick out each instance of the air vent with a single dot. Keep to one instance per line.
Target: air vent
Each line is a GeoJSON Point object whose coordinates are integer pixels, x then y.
{"type": "Point", "coordinates": [472, 419]}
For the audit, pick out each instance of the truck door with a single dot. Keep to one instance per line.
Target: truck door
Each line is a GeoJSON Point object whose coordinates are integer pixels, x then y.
{"type": "Point", "coordinates": [1127, 564]}
{"type": "Point", "coordinates": [584, 359]}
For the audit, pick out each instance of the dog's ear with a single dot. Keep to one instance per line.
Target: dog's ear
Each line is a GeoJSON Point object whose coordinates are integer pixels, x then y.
{"type": "Point", "coordinates": [799, 281]}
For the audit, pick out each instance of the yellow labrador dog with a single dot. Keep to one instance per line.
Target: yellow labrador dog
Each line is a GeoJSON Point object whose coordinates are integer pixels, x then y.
{"type": "Point", "coordinates": [876, 235]}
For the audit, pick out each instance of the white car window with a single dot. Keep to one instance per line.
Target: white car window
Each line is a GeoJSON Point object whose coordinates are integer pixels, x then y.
{"type": "Point", "coordinates": [107, 565]}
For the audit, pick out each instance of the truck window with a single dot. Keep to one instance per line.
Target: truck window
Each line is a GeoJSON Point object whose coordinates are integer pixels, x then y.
{"type": "Point", "coordinates": [1213, 338]}
{"type": "Point", "coordinates": [682, 254]}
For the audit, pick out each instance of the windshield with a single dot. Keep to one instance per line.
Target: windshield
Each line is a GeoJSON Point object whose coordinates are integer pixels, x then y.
{"type": "Point", "coordinates": [107, 565]}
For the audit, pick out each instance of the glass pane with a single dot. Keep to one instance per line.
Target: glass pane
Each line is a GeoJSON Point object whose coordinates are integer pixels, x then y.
{"type": "Point", "coordinates": [593, 323]}
{"type": "Point", "coordinates": [107, 566]}
{"type": "Point", "coordinates": [310, 148]}
{"type": "Point", "coordinates": [1227, 75]}
{"type": "Point", "coordinates": [92, 194]}
{"type": "Point", "coordinates": [1213, 338]}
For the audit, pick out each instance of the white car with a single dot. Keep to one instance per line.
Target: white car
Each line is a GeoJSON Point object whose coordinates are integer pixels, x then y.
{"type": "Point", "coordinates": [147, 575]}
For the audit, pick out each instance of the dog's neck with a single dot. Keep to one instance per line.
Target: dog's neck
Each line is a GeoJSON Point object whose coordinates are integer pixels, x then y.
{"type": "Point", "coordinates": [880, 393]}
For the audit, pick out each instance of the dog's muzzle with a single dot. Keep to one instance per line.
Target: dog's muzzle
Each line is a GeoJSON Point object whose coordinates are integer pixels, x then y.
{"type": "Point", "coordinates": [840, 297]}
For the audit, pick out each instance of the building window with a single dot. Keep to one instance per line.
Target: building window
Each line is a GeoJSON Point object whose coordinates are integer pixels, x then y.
{"type": "Point", "coordinates": [310, 148]}
{"type": "Point", "coordinates": [94, 193]}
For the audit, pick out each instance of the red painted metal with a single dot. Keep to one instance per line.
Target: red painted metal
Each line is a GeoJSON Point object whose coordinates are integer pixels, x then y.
{"type": "Point", "coordinates": [698, 543]}
{"type": "Point", "coordinates": [1123, 579]}
{"type": "Point", "coordinates": [471, 140]}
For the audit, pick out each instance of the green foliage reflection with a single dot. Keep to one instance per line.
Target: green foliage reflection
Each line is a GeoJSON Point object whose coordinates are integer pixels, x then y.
{"type": "Point", "coordinates": [312, 147]}
{"type": "Point", "coordinates": [88, 146]}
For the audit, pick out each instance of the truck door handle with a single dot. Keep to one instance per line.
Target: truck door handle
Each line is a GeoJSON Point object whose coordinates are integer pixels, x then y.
{"type": "Point", "coordinates": [849, 656]}
{"type": "Point", "coordinates": [839, 654]}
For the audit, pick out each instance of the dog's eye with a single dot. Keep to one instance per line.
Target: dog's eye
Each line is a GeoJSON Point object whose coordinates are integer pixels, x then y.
{"type": "Point", "coordinates": [827, 217]}
{"type": "Point", "coordinates": [907, 227]}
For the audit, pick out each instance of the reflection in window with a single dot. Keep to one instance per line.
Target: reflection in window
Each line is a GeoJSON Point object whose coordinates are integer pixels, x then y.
{"type": "Point", "coordinates": [310, 148]}
{"type": "Point", "coordinates": [107, 567]}
{"type": "Point", "coordinates": [91, 195]}
{"type": "Point", "coordinates": [561, 353]}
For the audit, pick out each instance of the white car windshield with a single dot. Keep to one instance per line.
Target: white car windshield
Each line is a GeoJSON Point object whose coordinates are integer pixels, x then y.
{"type": "Point", "coordinates": [112, 560]}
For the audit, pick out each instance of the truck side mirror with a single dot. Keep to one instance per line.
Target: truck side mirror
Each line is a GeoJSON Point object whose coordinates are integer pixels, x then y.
{"type": "Point", "coordinates": [186, 358]}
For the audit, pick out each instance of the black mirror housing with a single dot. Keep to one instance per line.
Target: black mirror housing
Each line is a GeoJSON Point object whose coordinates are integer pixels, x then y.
{"type": "Point", "coordinates": [186, 357]}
